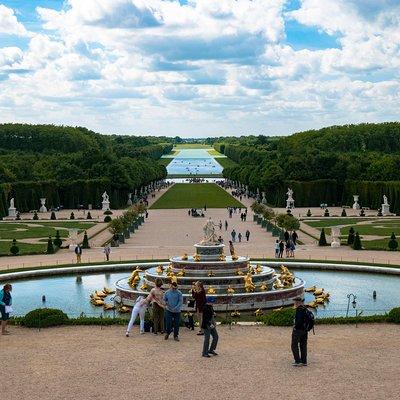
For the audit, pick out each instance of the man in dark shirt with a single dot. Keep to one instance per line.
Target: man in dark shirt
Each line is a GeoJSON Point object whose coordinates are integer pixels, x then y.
{"type": "Point", "coordinates": [300, 334]}
{"type": "Point", "coordinates": [209, 327]}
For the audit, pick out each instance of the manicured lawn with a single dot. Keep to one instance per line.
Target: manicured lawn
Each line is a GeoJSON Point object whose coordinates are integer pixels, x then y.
{"type": "Point", "coordinates": [213, 152]}
{"type": "Point", "coordinates": [324, 223]}
{"type": "Point", "coordinates": [164, 161]}
{"type": "Point", "coordinates": [24, 248]}
{"type": "Point", "coordinates": [225, 162]}
{"type": "Point", "coordinates": [196, 195]}
{"type": "Point", "coordinates": [191, 146]}
{"type": "Point", "coordinates": [378, 244]}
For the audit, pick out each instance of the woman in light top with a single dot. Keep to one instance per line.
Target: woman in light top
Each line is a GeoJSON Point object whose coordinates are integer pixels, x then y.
{"type": "Point", "coordinates": [139, 308]}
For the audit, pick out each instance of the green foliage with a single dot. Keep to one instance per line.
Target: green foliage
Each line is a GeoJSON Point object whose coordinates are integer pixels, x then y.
{"type": "Point", "coordinates": [89, 216]}
{"type": "Point", "coordinates": [72, 216]}
{"type": "Point", "coordinates": [288, 222]}
{"type": "Point", "coordinates": [50, 247]}
{"type": "Point", "coordinates": [309, 213]}
{"type": "Point", "coordinates": [283, 317]}
{"type": "Point", "coordinates": [362, 213]}
{"type": "Point", "coordinates": [107, 212]}
{"type": "Point", "coordinates": [107, 218]}
{"type": "Point", "coordinates": [85, 242]}
{"type": "Point", "coordinates": [344, 214]}
{"type": "Point", "coordinates": [57, 241]}
{"type": "Point", "coordinates": [394, 315]}
{"type": "Point", "coordinates": [44, 317]}
{"type": "Point", "coordinates": [393, 244]}
{"type": "Point", "coordinates": [326, 213]}
{"type": "Point", "coordinates": [357, 242]}
{"type": "Point", "coordinates": [322, 239]}
{"type": "Point", "coordinates": [53, 215]}
{"type": "Point", "coordinates": [14, 249]}
{"type": "Point", "coordinates": [350, 238]}
{"type": "Point", "coordinates": [35, 216]}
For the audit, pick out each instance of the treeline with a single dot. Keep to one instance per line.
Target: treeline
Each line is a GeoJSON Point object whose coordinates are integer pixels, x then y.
{"type": "Point", "coordinates": [324, 166]}
{"type": "Point", "coordinates": [71, 166]}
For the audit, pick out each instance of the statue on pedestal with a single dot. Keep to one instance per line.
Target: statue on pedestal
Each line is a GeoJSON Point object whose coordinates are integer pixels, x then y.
{"type": "Point", "coordinates": [129, 202]}
{"type": "Point", "coordinates": [43, 208]}
{"type": "Point", "coordinates": [290, 199]}
{"type": "Point", "coordinates": [385, 206]}
{"type": "Point", "coordinates": [335, 234]}
{"type": "Point", "coordinates": [105, 205]}
{"type": "Point", "coordinates": [209, 232]}
{"type": "Point", "coordinates": [12, 211]}
{"type": "Point", "coordinates": [356, 206]}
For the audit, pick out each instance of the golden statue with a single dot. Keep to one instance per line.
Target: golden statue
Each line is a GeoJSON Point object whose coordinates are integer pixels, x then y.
{"type": "Point", "coordinates": [248, 282]}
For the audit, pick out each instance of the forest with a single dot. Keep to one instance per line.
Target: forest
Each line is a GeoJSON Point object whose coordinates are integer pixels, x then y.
{"type": "Point", "coordinates": [323, 166]}
{"type": "Point", "coordinates": [73, 165]}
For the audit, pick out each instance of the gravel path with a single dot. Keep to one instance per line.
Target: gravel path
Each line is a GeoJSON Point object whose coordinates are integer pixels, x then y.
{"type": "Point", "coordinates": [345, 362]}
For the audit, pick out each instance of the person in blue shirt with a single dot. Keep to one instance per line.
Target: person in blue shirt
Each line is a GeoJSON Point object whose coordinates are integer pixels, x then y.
{"type": "Point", "coordinates": [173, 304]}
{"type": "Point", "coordinates": [5, 304]}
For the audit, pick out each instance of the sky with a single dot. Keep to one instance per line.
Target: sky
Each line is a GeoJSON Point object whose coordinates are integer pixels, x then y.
{"type": "Point", "coordinates": [198, 68]}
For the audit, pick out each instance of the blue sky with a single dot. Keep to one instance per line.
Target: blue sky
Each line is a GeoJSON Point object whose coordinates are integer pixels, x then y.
{"type": "Point", "coordinates": [199, 67]}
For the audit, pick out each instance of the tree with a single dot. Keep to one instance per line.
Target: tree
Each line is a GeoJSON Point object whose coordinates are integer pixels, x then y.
{"type": "Point", "coordinates": [57, 241]}
{"type": "Point", "coordinates": [322, 239]}
{"type": "Point", "coordinates": [357, 242]}
{"type": "Point", "coordinates": [53, 215]}
{"type": "Point", "coordinates": [50, 247]}
{"type": "Point", "coordinates": [393, 244]}
{"type": "Point", "coordinates": [350, 238]}
{"type": "Point", "coordinates": [288, 222]}
{"type": "Point", "coordinates": [85, 242]}
{"type": "Point", "coordinates": [14, 249]}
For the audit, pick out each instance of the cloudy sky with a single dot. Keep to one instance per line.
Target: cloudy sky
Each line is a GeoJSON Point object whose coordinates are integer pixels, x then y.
{"type": "Point", "coordinates": [199, 67]}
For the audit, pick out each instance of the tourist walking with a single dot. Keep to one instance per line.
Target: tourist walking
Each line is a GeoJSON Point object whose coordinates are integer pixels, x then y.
{"type": "Point", "coordinates": [233, 235]}
{"type": "Point", "coordinates": [107, 251]}
{"type": "Point", "coordinates": [210, 328]}
{"type": "Point", "coordinates": [173, 302]}
{"type": "Point", "coordinates": [240, 237]}
{"type": "Point", "coordinates": [292, 248]}
{"type": "Point", "coordinates": [286, 236]}
{"type": "Point", "coordinates": [220, 225]}
{"type": "Point", "coordinates": [199, 295]}
{"type": "Point", "coordinates": [281, 248]}
{"type": "Point", "coordinates": [231, 248]}
{"type": "Point", "coordinates": [139, 309]}
{"type": "Point", "coordinates": [294, 237]}
{"type": "Point", "coordinates": [226, 225]}
{"type": "Point", "coordinates": [287, 249]}
{"type": "Point", "coordinates": [303, 323]}
{"type": "Point", "coordinates": [157, 296]}
{"type": "Point", "coordinates": [247, 235]}
{"type": "Point", "coordinates": [5, 307]}
{"type": "Point", "coordinates": [277, 249]}
{"type": "Point", "coordinates": [78, 252]}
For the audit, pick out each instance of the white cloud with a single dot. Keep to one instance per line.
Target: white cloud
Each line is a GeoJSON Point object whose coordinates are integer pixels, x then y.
{"type": "Point", "coordinates": [9, 23]}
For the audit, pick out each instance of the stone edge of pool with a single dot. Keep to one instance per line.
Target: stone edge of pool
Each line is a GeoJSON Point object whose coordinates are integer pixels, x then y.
{"type": "Point", "coordinates": [12, 276]}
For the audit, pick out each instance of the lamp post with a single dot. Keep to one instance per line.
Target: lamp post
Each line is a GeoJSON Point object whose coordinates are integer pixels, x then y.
{"type": "Point", "coordinates": [354, 303]}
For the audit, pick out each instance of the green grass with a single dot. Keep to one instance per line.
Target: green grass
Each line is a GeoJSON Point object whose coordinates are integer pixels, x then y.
{"type": "Point", "coordinates": [378, 244]}
{"type": "Point", "coordinates": [324, 223]}
{"type": "Point", "coordinates": [195, 176]}
{"type": "Point", "coordinates": [226, 162]}
{"type": "Point", "coordinates": [24, 248]}
{"type": "Point", "coordinates": [191, 146]}
{"type": "Point", "coordinates": [195, 195]}
{"type": "Point", "coordinates": [164, 161]}
{"type": "Point", "coordinates": [213, 152]}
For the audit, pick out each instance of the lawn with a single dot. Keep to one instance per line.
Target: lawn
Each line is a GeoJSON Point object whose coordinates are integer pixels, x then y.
{"type": "Point", "coordinates": [195, 195]}
{"type": "Point", "coordinates": [226, 162]}
{"type": "Point", "coordinates": [164, 161]}
{"type": "Point", "coordinates": [24, 248]}
{"type": "Point", "coordinates": [324, 223]}
{"type": "Point", "coordinates": [213, 152]}
{"type": "Point", "coordinates": [191, 146]}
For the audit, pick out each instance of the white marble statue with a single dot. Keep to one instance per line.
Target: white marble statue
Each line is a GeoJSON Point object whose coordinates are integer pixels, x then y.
{"type": "Point", "coordinates": [43, 208]}
{"type": "Point", "coordinates": [12, 211]}
{"type": "Point", "coordinates": [105, 204]}
{"type": "Point", "coordinates": [209, 232]}
{"type": "Point", "coordinates": [106, 197]}
{"type": "Point", "coordinates": [12, 203]}
{"type": "Point", "coordinates": [335, 234]}
{"type": "Point", "coordinates": [356, 206]}
{"type": "Point", "coordinates": [129, 203]}
{"type": "Point", "coordinates": [385, 206]}
{"type": "Point", "coordinates": [290, 199]}
{"type": "Point", "coordinates": [264, 199]}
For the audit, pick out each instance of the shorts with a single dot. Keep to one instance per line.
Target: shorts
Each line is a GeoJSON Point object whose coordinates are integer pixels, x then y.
{"type": "Point", "coordinates": [4, 316]}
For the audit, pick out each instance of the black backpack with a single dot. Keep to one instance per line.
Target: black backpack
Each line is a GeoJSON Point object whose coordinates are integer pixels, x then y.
{"type": "Point", "coordinates": [309, 321]}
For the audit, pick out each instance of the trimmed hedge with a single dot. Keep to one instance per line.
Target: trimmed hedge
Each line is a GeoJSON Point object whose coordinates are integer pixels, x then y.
{"type": "Point", "coordinates": [43, 318]}
{"type": "Point", "coordinates": [283, 317]}
{"type": "Point", "coordinates": [394, 315]}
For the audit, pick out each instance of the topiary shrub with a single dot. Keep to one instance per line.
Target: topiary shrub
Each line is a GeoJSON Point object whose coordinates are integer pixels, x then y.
{"type": "Point", "coordinates": [107, 218]}
{"type": "Point", "coordinates": [322, 239]}
{"type": "Point", "coordinates": [107, 212]}
{"type": "Point", "coordinates": [350, 238]}
{"type": "Point", "coordinates": [44, 317]}
{"type": "Point", "coordinates": [14, 249]}
{"type": "Point", "coordinates": [35, 216]}
{"type": "Point", "coordinates": [309, 213]}
{"type": "Point", "coordinates": [344, 214]}
{"type": "Point", "coordinates": [394, 315]}
{"type": "Point", "coordinates": [50, 247]}
{"type": "Point", "coordinates": [85, 241]}
{"type": "Point", "coordinates": [380, 213]}
{"type": "Point", "coordinates": [57, 241]}
{"type": "Point", "coordinates": [283, 317]}
{"type": "Point", "coordinates": [72, 216]}
{"type": "Point", "coordinates": [89, 216]}
{"type": "Point", "coordinates": [357, 242]}
{"type": "Point", "coordinates": [18, 217]}
{"type": "Point", "coordinates": [393, 244]}
{"type": "Point", "coordinates": [362, 213]}
{"type": "Point", "coordinates": [53, 215]}
{"type": "Point", "coordinates": [326, 213]}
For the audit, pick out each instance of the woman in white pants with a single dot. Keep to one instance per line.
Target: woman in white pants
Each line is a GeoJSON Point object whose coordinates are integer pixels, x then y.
{"type": "Point", "coordinates": [139, 308]}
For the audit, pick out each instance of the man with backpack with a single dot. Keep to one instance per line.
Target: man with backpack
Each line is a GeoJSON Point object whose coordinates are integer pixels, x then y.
{"type": "Point", "coordinates": [303, 323]}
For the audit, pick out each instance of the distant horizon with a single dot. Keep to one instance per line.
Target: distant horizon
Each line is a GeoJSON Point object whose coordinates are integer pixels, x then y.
{"type": "Point", "coordinates": [199, 68]}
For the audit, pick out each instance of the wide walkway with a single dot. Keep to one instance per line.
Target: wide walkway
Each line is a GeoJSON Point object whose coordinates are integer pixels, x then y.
{"type": "Point", "coordinates": [254, 362]}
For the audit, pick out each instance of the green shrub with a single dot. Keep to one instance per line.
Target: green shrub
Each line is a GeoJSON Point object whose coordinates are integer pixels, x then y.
{"type": "Point", "coordinates": [393, 244]}
{"type": "Point", "coordinates": [35, 216]}
{"type": "Point", "coordinates": [107, 212]}
{"type": "Point", "coordinates": [362, 213]}
{"type": "Point", "coordinates": [394, 315]}
{"type": "Point", "coordinates": [89, 216]}
{"type": "Point", "coordinates": [85, 242]}
{"type": "Point", "coordinates": [322, 239]}
{"type": "Point", "coordinates": [18, 217]}
{"type": "Point", "coordinates": [50, 247]}
{"type": "Point", "coordinates": [283, 317]}
{"type": "Point", "coordinates": [350, 238]}
{"type": "Point", "coordinates": [357, 242]}
{"type": "Point", "coordinates": [326, 213]}
{"type": "Point", "coordinates": [57, 241]}
{"type": "Point", "coordinates": [344, 214]}
{"type": "Point", "coordinates": [309, 213]}
{"type": "Point", "coordinates": [351, 320]}
{"type": "Point", "coordinates": [44, 317]}
{"type": "Point", "coordinates": [72, 216]}
{"type": "Point", "coordinates": [107, 218]}
{"type": "Point", "coordinates": [53, 215]}
{"type": "Point", "coordinates": [14, 249]}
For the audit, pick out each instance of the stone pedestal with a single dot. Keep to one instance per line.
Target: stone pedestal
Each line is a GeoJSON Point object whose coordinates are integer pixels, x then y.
{"type": "Point", "coordinates": [105, 205]}
{"type": "Point", "coordinates": [12, 212]}
{"type": "Point", "coordinates": [356, 206]}
{"type": "Point", "coordinates": [385, 209]}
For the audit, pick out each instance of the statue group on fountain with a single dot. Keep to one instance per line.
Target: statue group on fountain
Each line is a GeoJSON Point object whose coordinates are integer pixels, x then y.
{"type": "Point", "coordinates": [210, 236]}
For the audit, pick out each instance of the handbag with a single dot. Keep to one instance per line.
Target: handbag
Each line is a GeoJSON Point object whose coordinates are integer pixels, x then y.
{"type": "Point", "coordinates": [191, 303]}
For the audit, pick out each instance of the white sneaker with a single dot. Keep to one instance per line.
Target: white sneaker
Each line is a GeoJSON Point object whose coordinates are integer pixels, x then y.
{"type": "Point", "coordinates": [142, 332]}
{"type": "Point", "coordinates": [127, 334]}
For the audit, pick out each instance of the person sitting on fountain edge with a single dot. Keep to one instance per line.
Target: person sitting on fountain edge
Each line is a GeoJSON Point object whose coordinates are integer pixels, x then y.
{"type": "Point", "coordinates": [210, 328]}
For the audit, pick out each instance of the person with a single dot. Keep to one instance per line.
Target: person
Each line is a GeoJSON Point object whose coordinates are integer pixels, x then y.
{"type": "Point", "coordinates": [240, 237]}
{"type": "Point", "coordinates": [220, 225]}
{"type": "Point", "coordinates": [277, 249]}
{"type": "Point", "coordinates": [199, 295]}
{"type": "Point", "coordinates": [173, 303]}
{"type": "Point", "coordinates": [107, 251]}
{"type": "Point", "coordinates": [205, 207]}
{"type": "Point", "coordinates": [287, 249]}
{"type": "Point", "coordinates": [210, 329]}
{"type": "Point", "coordinates": [233, 235]}
{"type": "Point", "coordinates": [292, 248]}
{"type": "Point", "coordinates": [300, 333]}
{"type": "Point", "coordinates": [5, 307]}
{"type": "Point", "coordinates": [294, 237]}
{"type": "Point", "coordinates": [220, 239]}
{"type": "Point", "coordinates": [281, 248]}
{"type": "Point", "coordinates": [231, 248]}
{"type": "Point", "coordinates": [139, 308]}
{"type": "Point", "coordinates": [247, 235]}
{"type": "Point", "coordinates": [286, 236]}
{"type": "Point", "coordinates": [157, 295]}
{"type": "Point", "coordinates": [78, 252]}
{"type": "Point", "coordinates": [226, 225]}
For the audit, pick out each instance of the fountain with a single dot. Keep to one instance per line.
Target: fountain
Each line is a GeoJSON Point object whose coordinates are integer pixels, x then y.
{"type": "Point", "coordinates": [233, 280]}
